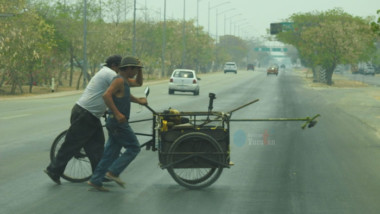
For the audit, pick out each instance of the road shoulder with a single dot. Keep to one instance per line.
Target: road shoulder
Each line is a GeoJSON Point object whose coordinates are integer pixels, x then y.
{"type": "Point", "coordinates": [355, 98]}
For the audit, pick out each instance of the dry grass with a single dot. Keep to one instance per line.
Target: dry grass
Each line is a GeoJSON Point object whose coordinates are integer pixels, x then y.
{"type": "Point", "coordinates": [339, 81]}
{"type": "Point", "coordinates": [36, 90]}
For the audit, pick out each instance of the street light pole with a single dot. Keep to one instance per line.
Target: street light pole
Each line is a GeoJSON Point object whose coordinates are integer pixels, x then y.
{"type": "Point", "coordinates": [216, 27]}
{"type": "Point", "coordinates": [163, 43]}
{"type": "Point", "coordinates": [230, 21]}
{"type": "Point", "coordinates": [241, 25]}
{"type": "Point", "coordinates": [209, 8]}
{"type": "Point", "coordinates": [84, 43]}
{"type": "Point", "coordinates": [240, 28]}
{"type": "Point", "coordinates": [197, 57]}
{"type": "Point", "coordinates": [198, 17]}
{"type": "Point", "coordinates": [235, 25]}
{"type": "Point", "coordinates": [134, 30]}
{"type": "Point", "coordinates": [184, 35]}
{"type": "Point", "coordinates": [208, 18]}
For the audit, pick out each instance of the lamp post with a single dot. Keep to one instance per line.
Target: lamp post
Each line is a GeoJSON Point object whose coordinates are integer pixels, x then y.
{"type": "Point", "coordinates": [230, 21]}
{"type": "Point", "coordinates": [198, 16]}
{"type": "Point", "coordinates": [216, 22]}
{"type": "Point", "coordinates": [134, 29]}
{"type": "Point", "coordinates": [236, 23]}
{"type": "Point", "coordinates": [184, 35]}
{"type": "Point", "coordinates": [197, 59]}
{"type": "Point", "coordinates": [163, 43]}
{"type": "Point", "coordinates": [84, 43]}
{"type": "Point", "coordinates": [209, 8]}
{"type": "Point", "coordinates": [240, 26]}
{"type": "Point", "coordinates": [233, 33]}
{"type": "Point", "coordinates": [246, 24]}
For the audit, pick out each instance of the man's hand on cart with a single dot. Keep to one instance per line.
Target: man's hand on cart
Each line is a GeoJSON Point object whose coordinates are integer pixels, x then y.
{"type": "Point", "coordinates": [120, 117]}
{"type": "Point", "coordinates": [142, 101]}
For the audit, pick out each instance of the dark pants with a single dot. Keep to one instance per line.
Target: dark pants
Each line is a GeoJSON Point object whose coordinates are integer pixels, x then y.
{"type": "Point", "coordinates": [86, 132]}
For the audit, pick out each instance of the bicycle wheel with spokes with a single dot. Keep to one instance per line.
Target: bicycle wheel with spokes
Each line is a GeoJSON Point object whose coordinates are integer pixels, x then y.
{"type": "Point", "coordinates": [195, 160]}
{"type": "Point", "coordinates": [78, 169]}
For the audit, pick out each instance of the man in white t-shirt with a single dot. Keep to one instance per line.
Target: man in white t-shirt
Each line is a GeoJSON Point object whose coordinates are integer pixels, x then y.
{"type": "Point", "coordinates": [86, 130]}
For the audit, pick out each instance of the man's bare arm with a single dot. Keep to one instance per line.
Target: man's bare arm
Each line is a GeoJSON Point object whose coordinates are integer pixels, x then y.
{"type": "Point", "coordinates": [141, 101]}
{"type": "Point", "coordinates": [138, 81]}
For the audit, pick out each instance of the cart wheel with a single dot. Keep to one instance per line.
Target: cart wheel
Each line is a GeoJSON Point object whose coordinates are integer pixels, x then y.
{"type": "Point", "coordinates": [195, 172]}
{"type": "Point", "coordinates": [78, 169]}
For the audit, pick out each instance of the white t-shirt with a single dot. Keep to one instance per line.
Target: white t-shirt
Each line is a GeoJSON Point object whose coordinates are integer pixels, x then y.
{"type": "Point", "coordinates": [92, 97]}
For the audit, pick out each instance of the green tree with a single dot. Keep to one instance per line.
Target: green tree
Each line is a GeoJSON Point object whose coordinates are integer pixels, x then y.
{"type": "Point", "coordinates": [235, 48]}
{"type": "Point", "coordinates": [376, 29]}
{"type": "Point", "coordinates": [68, 22]}
{"type": "Point", "coordinates": [68, 25]}
{"type": "Point", "coordinates": [26, 40]}
{"type": "Point", "coordinates": [376, 25]}
{"type": "Point", "coordinates": [330, 38]}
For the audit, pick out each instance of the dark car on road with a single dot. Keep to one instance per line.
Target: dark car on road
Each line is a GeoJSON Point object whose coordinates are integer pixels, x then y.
{"type": "Point", "coordinates": [250, 67]}
{"type": "Point", "coordinates": [273, 69]}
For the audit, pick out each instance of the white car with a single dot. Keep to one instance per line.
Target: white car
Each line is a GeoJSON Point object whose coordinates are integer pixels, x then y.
{"type": "Point", "coordinates": [184, 80]}
{"type": "Point", "coordinates": [230, 67]}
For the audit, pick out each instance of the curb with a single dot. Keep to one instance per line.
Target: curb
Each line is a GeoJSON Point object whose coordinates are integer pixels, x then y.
{"type": "Point", "coordinates": [61, 94]}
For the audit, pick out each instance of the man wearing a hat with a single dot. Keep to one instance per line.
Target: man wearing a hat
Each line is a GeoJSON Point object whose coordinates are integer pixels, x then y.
{"type": "Point", "coordinates": [118, 98]}
{"type": "Point", "coordinates": [85, 129]}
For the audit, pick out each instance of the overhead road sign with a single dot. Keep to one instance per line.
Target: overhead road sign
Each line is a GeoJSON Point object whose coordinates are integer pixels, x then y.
{"type": "Point", "coordinates": [279, 27]}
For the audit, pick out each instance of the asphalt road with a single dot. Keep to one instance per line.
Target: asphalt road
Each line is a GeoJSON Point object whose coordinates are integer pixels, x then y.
{"type": "Point", "coordinates": [279, 168]}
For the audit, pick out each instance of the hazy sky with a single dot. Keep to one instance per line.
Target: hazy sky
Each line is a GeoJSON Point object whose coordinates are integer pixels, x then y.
{"type": "Point", "coordinates": [252, 15]}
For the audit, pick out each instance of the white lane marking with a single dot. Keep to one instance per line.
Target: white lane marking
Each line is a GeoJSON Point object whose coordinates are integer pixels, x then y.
{"type": "Point", "coordinates": [14, 116]}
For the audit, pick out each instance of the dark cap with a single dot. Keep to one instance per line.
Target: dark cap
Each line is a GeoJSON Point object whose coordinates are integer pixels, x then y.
{"type": "Point", "coordinates": [113, 60]}
{"type": "Point", "coordinates": [130, 62]}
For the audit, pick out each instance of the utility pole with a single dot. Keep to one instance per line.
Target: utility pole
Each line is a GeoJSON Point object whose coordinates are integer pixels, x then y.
{"type": "Point", "coordinates": [134, 30]}
{"type": "Point", "coordinates": [197, 59]}
{"type": "Point", "coordinates": [184, 35]}
{"type": "Point", "coordinates": [85, 43]}
{"type": "Point", "coordinates": [163, 43]}
{"type": "Point", "coordinates": [208, 18]}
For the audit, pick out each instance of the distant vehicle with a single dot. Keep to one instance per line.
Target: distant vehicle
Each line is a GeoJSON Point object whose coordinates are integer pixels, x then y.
{"type": "Point", "coordinates": [283, 66]}
{"type": "Point", "coordinates": [365, 68]}
{"type": "Point", "coordinates": [230, 67]}
{"type": "Point", "coordinates": [250, 67]}
{"type": "Point", "coordinates": [273, 69]}
{"type": "Point", "coordinates": [370, 70]}
{"type": "Point", "coordinates": [184, 80]}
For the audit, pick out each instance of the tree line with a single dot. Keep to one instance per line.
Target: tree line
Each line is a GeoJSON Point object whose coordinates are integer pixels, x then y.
{"type": "Point", "coordinates": [327, 39]}
{"type": "Point", "coordinates": [41, 40]}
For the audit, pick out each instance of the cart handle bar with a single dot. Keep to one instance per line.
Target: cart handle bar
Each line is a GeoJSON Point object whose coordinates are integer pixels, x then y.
{"type": "Point", "coordinates": [310, 122]}
{"type": "Point", "coordinates": [150, 109]}
{"type": "Point", "coordinates": [245, 105]}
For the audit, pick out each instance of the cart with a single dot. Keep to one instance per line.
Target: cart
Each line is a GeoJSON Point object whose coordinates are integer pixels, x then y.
{"type": "Point", "coordinates": [194, 147]}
